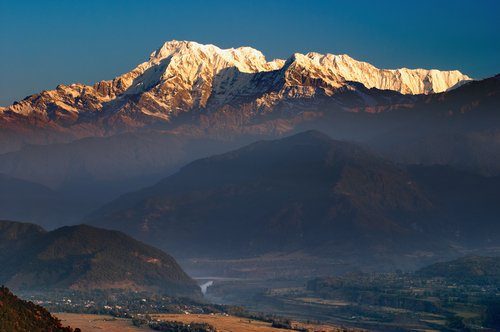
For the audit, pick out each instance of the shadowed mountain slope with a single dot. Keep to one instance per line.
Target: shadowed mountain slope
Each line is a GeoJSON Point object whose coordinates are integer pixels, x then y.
{"type": "Point", "coordinates": [304, 192]}
{"type": "Point", "coordinates": [86, 258]}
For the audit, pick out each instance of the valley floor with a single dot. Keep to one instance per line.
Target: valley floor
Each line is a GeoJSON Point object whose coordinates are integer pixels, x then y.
{"type": "Point", "coordinates": [90, 323]}
{"type": "Point", "coordinates": [222, 322]}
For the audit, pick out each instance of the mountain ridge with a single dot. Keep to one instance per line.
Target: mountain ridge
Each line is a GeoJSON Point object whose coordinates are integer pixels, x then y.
{"type": "Point", "coordinates": [183, 76]}
{"type": "Point", "coordinates": [310, 194]}
{"type": "Point", "coordinates": [279, 195]}
{"type": "Point", "coordinates": [114, 146]}
{"type": "Point", "coordinates": [85, 258]}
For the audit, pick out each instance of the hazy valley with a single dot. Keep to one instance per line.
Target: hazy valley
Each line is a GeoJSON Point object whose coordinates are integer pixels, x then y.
{"type": "Point", "coordinates": [315, 192]}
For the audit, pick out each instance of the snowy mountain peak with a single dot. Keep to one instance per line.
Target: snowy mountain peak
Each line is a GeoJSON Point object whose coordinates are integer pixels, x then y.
{"type": "Point", "coordinates": [342, 68]}
{"type": "Point", "coordinates": [182, 47]}
{"type": "Point", "coordinates": [182, 76]}
{"type": "Point", "coordinates": [246, 59]}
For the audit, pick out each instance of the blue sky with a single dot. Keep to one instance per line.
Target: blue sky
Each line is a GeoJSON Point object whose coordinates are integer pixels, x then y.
{"type": "Point", "coordinates": [44, 43]}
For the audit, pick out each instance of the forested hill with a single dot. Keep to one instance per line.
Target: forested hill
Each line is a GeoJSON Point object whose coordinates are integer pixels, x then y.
{"type": "Point", "coordinates": [17, 315]}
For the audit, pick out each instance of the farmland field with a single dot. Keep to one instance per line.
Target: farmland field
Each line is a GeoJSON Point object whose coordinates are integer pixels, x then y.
{"type": "Point", "coordinates": [90, 323]}
{"type": "Point", "coordinates": [223, 323]}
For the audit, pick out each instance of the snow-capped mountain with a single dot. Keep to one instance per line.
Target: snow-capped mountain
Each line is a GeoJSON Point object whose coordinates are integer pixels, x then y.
{"type": "Point", "coordinates": [189, 101]}
{"type": "Point", "coordinates": [181, 76]}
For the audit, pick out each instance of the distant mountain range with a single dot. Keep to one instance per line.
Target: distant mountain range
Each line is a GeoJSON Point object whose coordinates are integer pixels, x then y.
{"type": "Point", "coordinates": [85, 258]}
{"type": "Point", "coordinates": [186, 77]}
{"type": "Point", "coordinates": [68, 151]}
{"type": "Point", "coordinates": [309, 193]}
{"type": "Point", "coordinates": [26, 200]}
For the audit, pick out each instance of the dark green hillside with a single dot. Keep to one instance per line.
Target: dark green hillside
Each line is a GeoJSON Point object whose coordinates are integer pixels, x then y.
{"type": "Point", "coordinates": [475, 269]}
{"type": "Point", "coordinates": [17, 315]}
{"type": "Point", "coordinates": [87, 258]}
